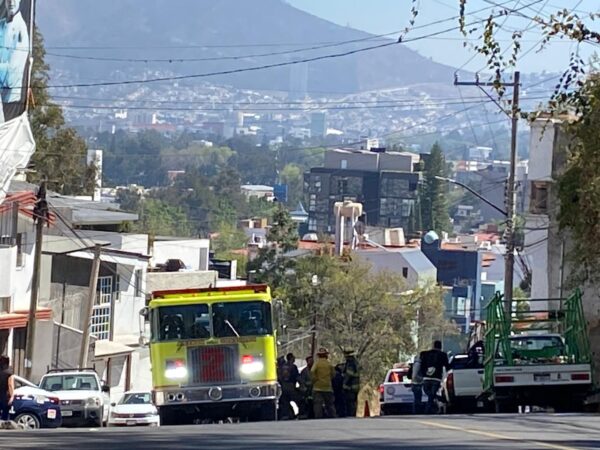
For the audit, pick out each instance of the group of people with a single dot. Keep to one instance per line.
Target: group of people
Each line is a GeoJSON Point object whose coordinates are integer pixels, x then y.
{"type": "Point", "coordinates": [426, 374]}
{"type": "Point", "coordinates": [320, 389]}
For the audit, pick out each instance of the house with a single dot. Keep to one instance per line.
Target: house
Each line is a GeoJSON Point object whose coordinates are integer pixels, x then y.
{"type": "Point", "coordinates": [17, 247]}
{"type": "Point", "coordinates": [258, 191]}
{"type": "Point", "coordinates": [411, 263]}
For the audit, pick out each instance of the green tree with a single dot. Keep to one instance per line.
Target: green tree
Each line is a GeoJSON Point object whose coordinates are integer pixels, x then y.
{"type": "Point", "coordinates": [160, 218]}
{"type": "Point", "coordinates": [434, 204]}
{"type": "Point", "coordinates": [270, 265]}
{"type": "Point", "coordinates": [354, 307]}
{"type": "Point", "coordinates": [579, 186]}
{"type": "Point", "coordinates": [228, 238]}
{"type": "Point", "coordinates": [292, 175]}
{"type": "Point", "coordinates": [60, 155]}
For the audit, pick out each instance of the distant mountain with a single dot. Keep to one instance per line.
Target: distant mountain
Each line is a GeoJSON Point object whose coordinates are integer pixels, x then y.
{"type": "Point", "coordinates": [204, 29]}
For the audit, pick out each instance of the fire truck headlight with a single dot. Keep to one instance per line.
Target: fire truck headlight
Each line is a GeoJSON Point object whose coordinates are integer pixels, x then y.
{"type": "Point", "coordinates": [251, 365]}
{"type": "Point", "coordinates": [176, 369]}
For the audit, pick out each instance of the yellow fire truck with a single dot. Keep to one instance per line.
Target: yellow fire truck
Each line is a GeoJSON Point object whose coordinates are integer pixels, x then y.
{"type": "Point", "coordinates": [213, 354]}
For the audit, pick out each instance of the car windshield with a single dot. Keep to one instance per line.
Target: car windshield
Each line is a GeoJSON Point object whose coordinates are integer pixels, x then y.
{"type": "Point", "coordinates": [242, 319]}
{"type": "Point", "coordinates": [70, 383]}
{"type": "Point", "coordinates": [535, 349]}
{"type": "Point", "coordinates": [182, 322]}
{"type": "Point", "coordinates": [138, 398]}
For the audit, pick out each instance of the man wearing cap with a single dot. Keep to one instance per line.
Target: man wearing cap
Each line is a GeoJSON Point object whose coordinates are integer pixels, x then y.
{"type": "Point", "coordinates": [351, 382]}
{"type": "Point", "coordinates": [322, 373]}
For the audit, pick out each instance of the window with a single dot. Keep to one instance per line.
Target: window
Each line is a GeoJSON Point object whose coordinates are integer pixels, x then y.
{"type": "Point", "coordinates": [20, 253]}
{"type": "Point", "coordinates": [4, 305]}
{"type": "Point", "coordinates": [405, 272]}
{"type": "Point", "coordinates": [312, 202]}
{"type": "Point", "coordinates": [117, 288]}
{"type": "Point", "coordinates": [242, 319]}
{"type": "Point", "coordinates": [137, 398]}
{"type": "Point", "coordinates": [312, 224]}
{"type": "Point", "coordinates": [138, 283]}
{"type": "Point", "coordinates": [182, 322]}
{"type": "Point", "coordinates": [75, 382]}
{"type": "Point", "coordinates": [344, 164]}
{"type": "Point", "coordinates": [538, 203]}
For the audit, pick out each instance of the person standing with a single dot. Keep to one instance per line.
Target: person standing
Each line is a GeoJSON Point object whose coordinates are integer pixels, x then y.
{"type": "Point", "coordinates": [351, 382]}
{"type": "Point", "coordinates": [433, 363]}
{"type": "Point", "coordinates": [306, 388]}
{"type": "Point", "coordinates": [322, 373]}
{"type": "Point", "coordinates": [7, 388]}
{"type": "Point", "coordinates": [289, 378]}
{"type": "Point", "coordinates": [339, 396]}
{"type": "Point", "coordinates": [416, 386]}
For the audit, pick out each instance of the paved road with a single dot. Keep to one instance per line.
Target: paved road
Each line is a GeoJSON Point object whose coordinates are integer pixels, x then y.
{"type": "Point", "coordinates": [531, 431]}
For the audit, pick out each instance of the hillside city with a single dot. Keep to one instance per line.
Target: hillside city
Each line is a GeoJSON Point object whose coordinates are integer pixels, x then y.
{"type": "Point", "coordinates": [279, 218]}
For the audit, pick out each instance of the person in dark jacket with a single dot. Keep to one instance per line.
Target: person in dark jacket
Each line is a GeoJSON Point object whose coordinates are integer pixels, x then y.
{"type": "Point", "coordinates": [433, 363]}
{"type": "Point", "coordinates": [351, 382]}
{"type": "Point", "coordinates": [7, 387]}
{"type": "Point", "coordinates": [338, 391]}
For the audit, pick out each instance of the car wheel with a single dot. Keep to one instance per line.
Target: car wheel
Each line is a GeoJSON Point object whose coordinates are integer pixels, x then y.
{"type": "Point", "coordinates": [28, 421]}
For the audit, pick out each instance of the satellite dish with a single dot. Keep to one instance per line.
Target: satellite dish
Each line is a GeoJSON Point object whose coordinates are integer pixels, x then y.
{"type": "Point", "coordinates": [431, 237]}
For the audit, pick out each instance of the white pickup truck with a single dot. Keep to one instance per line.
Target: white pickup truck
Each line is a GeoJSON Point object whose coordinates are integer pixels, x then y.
{"type": "Point", "coordinates": [541, 375]}
{"type": "Point", "coordinates": [396, 396]}
{"type": "Point", "coordinates": [463, 385]}
{"type": "Point", "coordinates": [84, 399]}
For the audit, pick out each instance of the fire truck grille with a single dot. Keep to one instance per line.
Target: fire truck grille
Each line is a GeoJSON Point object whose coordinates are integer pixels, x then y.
{"type": "Point", "coordinates": [213, 365]}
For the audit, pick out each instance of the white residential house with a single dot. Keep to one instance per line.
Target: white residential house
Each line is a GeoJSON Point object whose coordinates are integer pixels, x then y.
{"type": "Point", "coordinates": [411, 263]}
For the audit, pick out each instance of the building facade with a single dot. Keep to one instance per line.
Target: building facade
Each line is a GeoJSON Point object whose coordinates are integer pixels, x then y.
{"type": "Point", "coordinates": [386, 183]}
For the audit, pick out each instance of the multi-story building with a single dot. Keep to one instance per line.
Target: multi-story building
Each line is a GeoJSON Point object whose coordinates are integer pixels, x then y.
{"type": "Point", "coordinates": [386, 183]}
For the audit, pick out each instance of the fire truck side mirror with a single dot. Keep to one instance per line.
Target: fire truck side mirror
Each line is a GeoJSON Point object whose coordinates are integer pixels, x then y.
{"type": "Point", "coordinates": [145, 312]}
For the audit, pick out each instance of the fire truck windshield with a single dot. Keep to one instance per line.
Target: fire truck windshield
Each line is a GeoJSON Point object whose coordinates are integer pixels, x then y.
{"type": "Point", "coordinates": [243, 318]}
{"type": "Point", "coordinates": [227, 319]}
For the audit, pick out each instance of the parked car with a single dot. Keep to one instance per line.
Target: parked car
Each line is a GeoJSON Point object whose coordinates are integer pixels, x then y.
{"type": "Point", "coordinates": [84, 399]}
{"type": "Point", "coordinates": [396, 396]}
{"type": "Point", "coordinates": [34, 407]}
{"type": "Point", "coordinates": [134, 408]}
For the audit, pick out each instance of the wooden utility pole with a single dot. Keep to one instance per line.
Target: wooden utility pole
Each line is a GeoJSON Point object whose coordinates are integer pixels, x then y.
{"type": "Point", "coordinates": [89, 307]}
{"type": "Point", "coordinates": [510, 191]}
{"type": "Point", "coordinates": [40, 217]}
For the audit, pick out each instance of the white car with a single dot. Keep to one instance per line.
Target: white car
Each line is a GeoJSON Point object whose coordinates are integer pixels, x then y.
{"type": "Point", "coordinates": [134, 408]}
{"type": "Point", "coordinates": [84, 399]}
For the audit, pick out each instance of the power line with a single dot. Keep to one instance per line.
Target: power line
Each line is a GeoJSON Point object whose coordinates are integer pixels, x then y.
{"type": "Point", "coordinates": [265, 66]}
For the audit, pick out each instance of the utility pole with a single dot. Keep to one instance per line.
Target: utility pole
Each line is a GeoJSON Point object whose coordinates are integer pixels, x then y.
{"type": "Point", "coordinates": [40, 217]}
{"type": "Point", "coordinates": [89, 307]}
{"type": "Point", "coordinates": [510, 191]}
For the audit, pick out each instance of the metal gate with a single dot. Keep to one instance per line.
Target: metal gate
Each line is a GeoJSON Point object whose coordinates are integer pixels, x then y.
{"type": "Point", "coordinates": [100, 326]}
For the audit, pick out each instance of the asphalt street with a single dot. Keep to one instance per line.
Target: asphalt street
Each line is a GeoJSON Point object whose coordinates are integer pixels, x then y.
{"type": "Point", "coordinates": [482, 432]}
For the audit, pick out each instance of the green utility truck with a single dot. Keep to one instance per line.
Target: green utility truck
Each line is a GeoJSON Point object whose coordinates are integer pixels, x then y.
{"type": "Point", "coordinates": [540, 357]}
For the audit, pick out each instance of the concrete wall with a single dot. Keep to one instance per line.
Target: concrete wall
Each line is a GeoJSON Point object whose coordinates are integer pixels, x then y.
{"type": "Point", "coordinates": [354, 160]}
{"type": "Point", "coordinates": [541, 145]}
{"type": "Point", "coordinates": [189, 251]}
{"type": "Point", "coordinates": [160, 281]}
{"type": "Point", "coordinates": [395, 262]}
{"type": "Point", "coordinates": [396, 161]}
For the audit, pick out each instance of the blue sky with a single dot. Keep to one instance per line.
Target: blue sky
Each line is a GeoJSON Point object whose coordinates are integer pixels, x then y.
{"type": "Point", "coordinates": [384, 16]}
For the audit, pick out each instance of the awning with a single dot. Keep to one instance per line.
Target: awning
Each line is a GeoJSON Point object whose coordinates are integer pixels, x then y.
{"type": "Point", "coordinates": [107, 349]}
{"type": "Point", "coordinates": [18, 319]}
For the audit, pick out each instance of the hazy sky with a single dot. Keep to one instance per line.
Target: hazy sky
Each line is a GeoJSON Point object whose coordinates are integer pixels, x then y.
{"type": "Point", "coordinates": [384, 16]}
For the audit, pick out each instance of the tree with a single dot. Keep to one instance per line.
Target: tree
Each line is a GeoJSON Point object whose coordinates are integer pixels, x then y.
{"type": "Point", "coordinates": [160, 218]}
{"type": "Point", "coordinates": [270, 264]}
{"type": "Point", "coordinates": [60, 155]}
{"type": "Point", "coordinates": [579, 187]}
{"type": "Point", "coordinates": [292, 176]}
{"type": "Point", "coordinates": [357, 308]}
{"type": "Point", "coordinates": [433, 198]}
{"type": "Point", "coordinates": [564, 24]}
